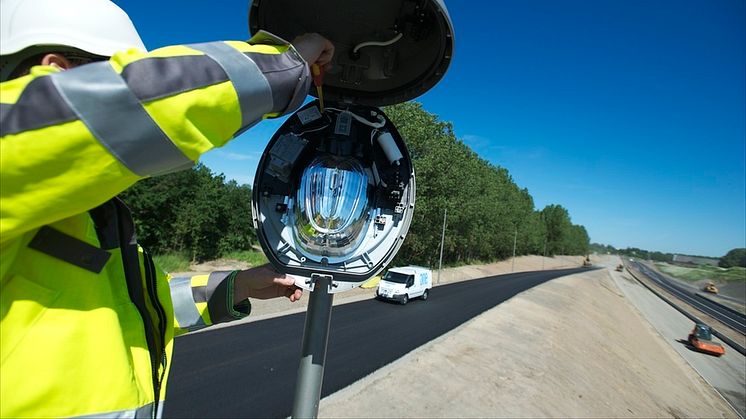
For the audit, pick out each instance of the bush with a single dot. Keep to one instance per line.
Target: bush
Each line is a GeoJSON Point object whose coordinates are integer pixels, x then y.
{"type": "Point", "coordinates": [735, 257]}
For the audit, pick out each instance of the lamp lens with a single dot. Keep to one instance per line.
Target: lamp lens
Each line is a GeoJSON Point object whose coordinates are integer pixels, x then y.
{"type": "Point", "coordinates": [332, 207]}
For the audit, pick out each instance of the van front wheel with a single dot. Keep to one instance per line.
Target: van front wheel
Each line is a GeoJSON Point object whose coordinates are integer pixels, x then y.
{"type": "Point", "coordinates": [424, 295]}
{"type": "Point", "coordinates": [405, 299]}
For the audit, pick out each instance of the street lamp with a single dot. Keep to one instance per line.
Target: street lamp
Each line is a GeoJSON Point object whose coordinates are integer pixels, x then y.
{"type": "Point", "coordinates": [334, 190]}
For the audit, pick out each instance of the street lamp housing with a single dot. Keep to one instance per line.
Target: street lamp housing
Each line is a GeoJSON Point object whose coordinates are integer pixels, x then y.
{"type": "Point", "coordinates": [334, 194]}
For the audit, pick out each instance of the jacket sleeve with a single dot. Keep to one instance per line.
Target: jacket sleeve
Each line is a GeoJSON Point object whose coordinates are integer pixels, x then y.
{"type": "Point", "coordinates": [204, 300]}
{"type": "Point", "coordinates": [72, 140]}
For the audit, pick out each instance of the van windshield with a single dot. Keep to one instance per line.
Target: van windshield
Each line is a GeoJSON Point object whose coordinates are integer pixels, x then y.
{"type": "Point", "coordinates": [397, 277]}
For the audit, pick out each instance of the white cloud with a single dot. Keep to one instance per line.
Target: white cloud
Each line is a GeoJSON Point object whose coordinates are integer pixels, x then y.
{"type": "Point", "coordinates": [479, 144]}
{"type": "Point", "coordinates": [236, 156]}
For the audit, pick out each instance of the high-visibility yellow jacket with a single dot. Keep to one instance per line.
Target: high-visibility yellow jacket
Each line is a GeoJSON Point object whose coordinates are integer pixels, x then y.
{"type": "Point", "coordinates": [86, 319]}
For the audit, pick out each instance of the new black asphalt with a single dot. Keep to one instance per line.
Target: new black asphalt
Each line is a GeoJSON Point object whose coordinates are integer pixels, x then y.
{"type": "Point", "coordinates": [250, 370]}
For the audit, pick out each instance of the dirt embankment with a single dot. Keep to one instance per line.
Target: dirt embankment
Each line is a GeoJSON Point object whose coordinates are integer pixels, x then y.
{"type": "Point", "coordinates": [572, 347]}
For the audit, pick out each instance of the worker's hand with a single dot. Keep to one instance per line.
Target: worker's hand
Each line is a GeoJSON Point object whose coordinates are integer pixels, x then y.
{"type": "Point", "coordinates": [315, 49]}
{"type": "Point", "coordinates": [263, 282]}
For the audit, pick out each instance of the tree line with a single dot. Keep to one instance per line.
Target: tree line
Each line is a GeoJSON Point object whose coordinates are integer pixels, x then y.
{"type": "Point", "coordinates": [200, 213]}
{"type": "Point", "coordinates": [734, 257]}
{"type": "Point", "coordinates": [194, 212]}
{"type": "Point", "coordinates": [632, 252]}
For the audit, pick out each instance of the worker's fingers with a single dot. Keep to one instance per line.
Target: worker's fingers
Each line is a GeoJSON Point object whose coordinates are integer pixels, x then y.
{"type": "Point", "coordinates": [264, 282]}
{"type": "Point", "coordinates": [314, 48]}
{"type": "Point", "coordinates": [326, 55]}
{"type": "Point", "coordinates": [293, 294]}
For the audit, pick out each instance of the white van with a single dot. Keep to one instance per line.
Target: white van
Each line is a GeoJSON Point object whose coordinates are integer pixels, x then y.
{"type": "Point", "coordinates": [403, 284]}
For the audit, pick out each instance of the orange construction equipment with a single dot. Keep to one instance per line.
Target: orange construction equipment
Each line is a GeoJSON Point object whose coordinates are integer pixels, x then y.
{"type": "Point", "coordinates": [711, 288]}
{"type": "Point", "coordinates": [701, 340]}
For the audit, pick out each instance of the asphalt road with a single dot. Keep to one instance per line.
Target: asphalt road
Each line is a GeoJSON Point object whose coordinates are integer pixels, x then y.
{"type": "Point", "coordinates": [726, 315]}
{"type": "Point", "coordinates": [727, 374]}
{"type": "Point", "coordinates": [249, 370]}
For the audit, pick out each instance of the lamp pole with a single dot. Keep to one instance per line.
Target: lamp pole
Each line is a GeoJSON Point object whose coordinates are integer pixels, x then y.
{"type": "Point", "coordinates": [313, 352]}
{"type": "Point", "coordinates": [442, 239]}
{"type": "Point", "coordinates": [515, 240]}
{"type": "Point", "coordinates": [545, 254]}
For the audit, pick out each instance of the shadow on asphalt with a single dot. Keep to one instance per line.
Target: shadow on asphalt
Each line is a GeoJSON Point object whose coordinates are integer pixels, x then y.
{"type": "Point", "coordinates": [687, 345]}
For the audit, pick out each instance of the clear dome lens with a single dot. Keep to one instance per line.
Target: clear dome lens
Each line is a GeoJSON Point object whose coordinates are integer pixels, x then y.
{"type": "Point", "coordinates": [332, 207]}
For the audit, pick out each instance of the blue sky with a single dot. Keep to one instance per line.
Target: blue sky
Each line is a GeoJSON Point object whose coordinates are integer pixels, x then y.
{"type": "Point", "coordinates": [629, 113]}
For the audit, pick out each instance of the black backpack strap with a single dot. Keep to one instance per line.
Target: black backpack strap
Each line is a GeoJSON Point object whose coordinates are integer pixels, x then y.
{"type": "Point", "coordinates": [105, 219]}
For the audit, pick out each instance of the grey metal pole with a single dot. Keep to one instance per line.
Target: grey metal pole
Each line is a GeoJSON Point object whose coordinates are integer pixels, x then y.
{"type": "Point", "coordinates": [313, 352]}
{"type": "Point", "coordinates": [442, 239]}
{"type": "Point", "coordinates": [545, 254]}
{"type": "Point", "coordinates": [515, 239]}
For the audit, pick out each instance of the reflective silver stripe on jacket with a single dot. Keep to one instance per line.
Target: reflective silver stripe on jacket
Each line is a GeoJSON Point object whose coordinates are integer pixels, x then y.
{"type": "Point", "coordinates": [185, 309]}
{"type": "Point", "coordinates": [102, 100]}
{"type": "Point", "coordinates": [253, 89]}
{"type": "Point", "coordinates": [139, 413]}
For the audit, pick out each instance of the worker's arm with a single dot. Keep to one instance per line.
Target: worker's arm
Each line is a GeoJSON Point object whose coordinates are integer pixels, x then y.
{"type": "Point", "coordinates": [72, 140]}
{"type": "Point", "coordinates": [203, 300]}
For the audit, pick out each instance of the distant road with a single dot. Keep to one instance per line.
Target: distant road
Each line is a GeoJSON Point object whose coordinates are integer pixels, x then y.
{"type": "Point", "coordinates": [249, 370]}
{"type": "Point", "coordinates": [726, 374]}
{"type": "Point", "coordinates": [725, 315]}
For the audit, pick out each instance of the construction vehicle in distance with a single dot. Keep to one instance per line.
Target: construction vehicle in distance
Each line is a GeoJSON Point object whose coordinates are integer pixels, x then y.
{"type": "Point", "coordinates": [711, 288]}
{"type": "Point", "coordinates": [619, 268]}
{"type": "Point", "coordinates": [701, 340]}
{"type": "Point", "coordinates": [587, 262]}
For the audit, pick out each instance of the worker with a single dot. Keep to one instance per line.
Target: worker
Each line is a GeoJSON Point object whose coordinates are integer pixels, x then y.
{"type": "Point", "coordinates": [87, 321]}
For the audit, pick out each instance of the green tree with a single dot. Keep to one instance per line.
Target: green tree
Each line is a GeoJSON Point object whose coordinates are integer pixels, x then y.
{"type": "Point", "coordinates": [558, 226]}
{"type": "Point", "coordinates": [602, 248]}
{"type": "Point", "coordinates": [193, 211]}
{"type": "Point", "coordinates": [735, 257]}
{"type": "Point", "coordinates": [238, 232]}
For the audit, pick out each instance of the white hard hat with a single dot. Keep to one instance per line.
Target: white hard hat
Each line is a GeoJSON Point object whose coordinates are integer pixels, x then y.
{"type": "Point", "coordinates": [98, 27]}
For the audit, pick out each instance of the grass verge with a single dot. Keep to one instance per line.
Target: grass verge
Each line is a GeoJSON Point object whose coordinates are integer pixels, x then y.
{"type": "Point", "coordinates": [252, 257]}
{"type": "Point", "coordinates": [704, 272]}
{"type": "Point", "coordinates": [180, 262]}
{"type": "Point", "coordinates": [172, 262]}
